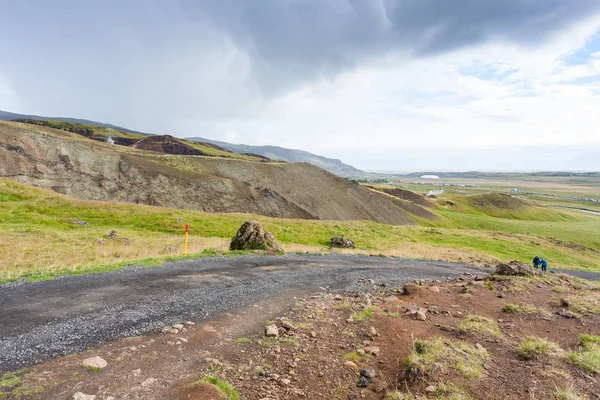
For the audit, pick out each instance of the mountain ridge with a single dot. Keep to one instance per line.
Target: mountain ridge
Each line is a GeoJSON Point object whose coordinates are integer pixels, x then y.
{"type": "Point", "coordinates": [279, 153]}
{"type": "Point", "coordinates": [273, 152]}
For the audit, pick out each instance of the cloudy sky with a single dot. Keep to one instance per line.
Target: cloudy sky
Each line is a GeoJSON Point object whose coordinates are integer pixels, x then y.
{"type": "Point", "coordinates": [381, 84]}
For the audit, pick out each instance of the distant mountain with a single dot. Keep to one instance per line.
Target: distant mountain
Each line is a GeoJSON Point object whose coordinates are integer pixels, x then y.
{"type": "Point", "coordinates": [290, 155]}
{"type": "Point", "coordinates": [273, 152]}
{"type": "Point", "coordinates": [8, 116]}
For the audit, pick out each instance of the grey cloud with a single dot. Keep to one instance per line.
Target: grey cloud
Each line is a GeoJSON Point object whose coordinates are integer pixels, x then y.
{"type": "Point", "coordinates": [291, 41]}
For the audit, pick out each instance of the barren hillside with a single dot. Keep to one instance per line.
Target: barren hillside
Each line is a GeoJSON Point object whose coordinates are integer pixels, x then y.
{"type": "Point", "coordinates": [86, 169]}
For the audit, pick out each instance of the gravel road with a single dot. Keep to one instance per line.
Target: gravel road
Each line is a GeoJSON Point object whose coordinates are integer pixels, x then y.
{"type": "Point", "coordinates": [42, 320]}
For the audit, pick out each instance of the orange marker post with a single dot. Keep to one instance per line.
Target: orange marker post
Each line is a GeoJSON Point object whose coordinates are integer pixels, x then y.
{"type": "Point", "coordinates": [185, 242]}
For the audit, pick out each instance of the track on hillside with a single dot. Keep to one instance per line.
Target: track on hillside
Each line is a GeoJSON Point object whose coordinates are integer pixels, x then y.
{"type": "Point", "coordinates": [43, 320]}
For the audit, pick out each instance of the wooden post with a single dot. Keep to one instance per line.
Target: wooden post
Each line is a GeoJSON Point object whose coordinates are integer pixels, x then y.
{"type": "Point", "coordinates": [185, 242]}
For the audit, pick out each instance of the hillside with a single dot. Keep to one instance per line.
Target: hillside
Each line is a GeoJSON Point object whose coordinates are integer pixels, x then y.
{"type": "Point", "coordinates": [8, 116]}
{"type": "Point", "coordinates": [272, 152]}
{"type": "Point", "coordinates": [290, 155]}
{"type": "Point", "coordinates": [70, 164]}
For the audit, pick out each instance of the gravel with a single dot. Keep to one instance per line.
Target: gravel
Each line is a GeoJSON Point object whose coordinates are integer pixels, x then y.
{"type": "Point", "coordinates": [43, 320]}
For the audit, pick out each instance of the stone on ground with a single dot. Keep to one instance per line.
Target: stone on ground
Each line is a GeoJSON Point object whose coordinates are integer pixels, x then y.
{"type": "Point", "coordinates": [341, 242]}
{"type": "Point", "coordinates": [83, 396]}
{"type": "Point", "coordinates": [272, 331]}
{"type": "Point", "coordinates": [94, 362]}
{"type": "Point", "coordinates": [251, 236]}
{"type": "Point", "coordinates": [515, 268]}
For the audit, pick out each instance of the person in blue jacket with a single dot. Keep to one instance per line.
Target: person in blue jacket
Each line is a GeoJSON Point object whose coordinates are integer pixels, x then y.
{"type": "Point", "coordinates": [536, 262]}
{"type": "Point", "coordinates": [544, 264]}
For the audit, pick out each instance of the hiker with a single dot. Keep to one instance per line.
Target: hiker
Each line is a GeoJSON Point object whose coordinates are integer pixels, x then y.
{"type": "Point", "coordinates": [544, 264]}
{"type": "Point", "coordinates": [536, 262]}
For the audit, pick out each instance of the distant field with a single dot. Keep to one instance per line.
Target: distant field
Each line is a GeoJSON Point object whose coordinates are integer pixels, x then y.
{"type": "Point", "coordinates": [40, 241]}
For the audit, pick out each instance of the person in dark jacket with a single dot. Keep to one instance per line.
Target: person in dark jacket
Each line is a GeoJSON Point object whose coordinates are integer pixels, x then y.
{"type": "Point", "coordinates": [536, 262]}
{"type": "Point", "coordinates": [544, 264]}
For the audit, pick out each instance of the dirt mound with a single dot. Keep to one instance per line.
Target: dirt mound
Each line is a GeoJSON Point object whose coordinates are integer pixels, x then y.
{"type": "Point", "coordinates": [168, 145]}
{"type": "Point", "coordinates": [71, 165]}
{"type": "Point", "coordinates": [252, 236]}
{"type": "Point", "coordinates": [498, 200]}
{"type": "Point", "coordinates": [515, 268]}
{"type": "Point", "coordinates": [406, 195]}
{"type": "Point", "coordinates": [412, 207]}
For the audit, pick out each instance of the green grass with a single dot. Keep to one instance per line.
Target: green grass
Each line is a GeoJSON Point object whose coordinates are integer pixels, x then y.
{"type": "Point", "coordinates": [479, 325]}
{"type": "Point", "coordinates": [439, 355]}
{"type": "Point", "coordinates": [39, 241]}
{"type": "Point", "coordinates": [585, 302]}
{"type": "Point", "coordinates": [524, 309]}
{"type": "Point", "coordinates": [243, 340]}
{"type": "Point", "coordinates": [11, 379]}
{"type": "Point", "coordinates": [448, 391]}
{"type": "Point", "coordinates": [222, 386]}
{"type": "Point", "coordinates": [587, 356]}
{"type": "Point", "coordinates": [367, 314]}
{"type": "Point", "coordinates": [566, 394]}
{"type": "Point", "coordinates": [533, 347]}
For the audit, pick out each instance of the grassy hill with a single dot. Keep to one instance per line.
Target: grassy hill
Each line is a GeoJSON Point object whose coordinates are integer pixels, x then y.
{"type": "Point", "coordinates": [8, 116]}
{"type": "Point", "coordinates": [40, 238]}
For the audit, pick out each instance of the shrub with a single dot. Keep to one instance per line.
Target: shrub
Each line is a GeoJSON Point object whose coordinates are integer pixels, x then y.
{"type": "Point", "coordinates": [439, 355]}
{"type": "Point", "coordinates": [533, 347]}
{"type": "Point", "coordinates": [480, 325]}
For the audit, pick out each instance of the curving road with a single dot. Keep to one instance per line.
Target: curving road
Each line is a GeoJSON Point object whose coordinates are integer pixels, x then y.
{"type": "Point", "coordinates": [42, 320]}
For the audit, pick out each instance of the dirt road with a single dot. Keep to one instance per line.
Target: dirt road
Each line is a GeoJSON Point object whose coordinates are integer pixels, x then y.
{"type": "Point", "coordinates": [39, 321]}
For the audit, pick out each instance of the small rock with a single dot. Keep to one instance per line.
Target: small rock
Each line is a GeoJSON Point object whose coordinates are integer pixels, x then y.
{"type": "Point", "coordinates": [100, 241]}
{"type": "Point", "coordinates": [409, 288]}
{"type": "Point", "coordinates": [112, 234]}
{"type": "Point", "coordinates": [368, 373]}
{"type": "Point", "coordinates": [83, 396]}
{"type": "Point", "coordinates": [288, 325]}
{"type": "Point", "coordinates": [372, 331]}
{"type": "Point", "coordinates": [434, 289]}
{"type": "Point", "coordinates": [313, 334]}
{"type": "Point", "coordinates": [374, 350]}
{"type": "Point", "coordinates": [126, 241]}
{"type": "Point", "coordinates": [284, 382]}
{"type": "Point", "coordinates": [94, 362]}
{"type": "Point", "coordinates": [430, 389]}
{"type": "Point", "coordinates": [168, 329]}
{"type": "Point", "coordinates": [362, 382]}
{"type": "Point", "coordinates": [351, 364]}
{"type": "Point", "coordinates": [447, 328]}
{"type": "Point", "coordinates": [272, 331]}
{"type": "Point", "coordinates": [480, 347]}
{"type": "Point", "coordinates": [434, 310]}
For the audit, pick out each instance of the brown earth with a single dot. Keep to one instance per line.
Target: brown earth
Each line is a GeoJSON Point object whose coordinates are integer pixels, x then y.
{"type": "Point", "coordinates": [168, 145]}
{"type": "Point", "coordinates": [326, 333]}
{"type": "Point", "coordinates": [91, 170]}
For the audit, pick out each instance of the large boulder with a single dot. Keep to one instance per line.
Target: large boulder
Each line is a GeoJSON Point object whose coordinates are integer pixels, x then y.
{"type": "Point", "coordinates": [251, 236]}
{"type": "Point", "coordinates": [341, 242]}
{"type": "Point", "coordinates": [515, 268]}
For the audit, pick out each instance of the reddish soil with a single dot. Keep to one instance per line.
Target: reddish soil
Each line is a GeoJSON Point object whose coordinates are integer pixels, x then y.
{"type": "Point", "coordinates": [310, 361]}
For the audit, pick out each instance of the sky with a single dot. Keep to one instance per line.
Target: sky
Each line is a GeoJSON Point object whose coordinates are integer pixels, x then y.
{"type": "Point", "coordinates": [396, 85]}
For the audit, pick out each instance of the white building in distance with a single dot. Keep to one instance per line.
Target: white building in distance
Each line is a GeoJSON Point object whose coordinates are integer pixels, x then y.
{"type": "Point", "coordinates": [430, 177]}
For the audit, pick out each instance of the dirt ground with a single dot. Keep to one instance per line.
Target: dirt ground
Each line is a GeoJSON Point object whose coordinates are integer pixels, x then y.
{"type": "Point", "coordinates": [326, 339]}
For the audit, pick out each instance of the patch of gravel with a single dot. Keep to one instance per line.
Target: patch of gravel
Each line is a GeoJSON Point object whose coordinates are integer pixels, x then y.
{"type": "Point", "coordinates": [44, 320]}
